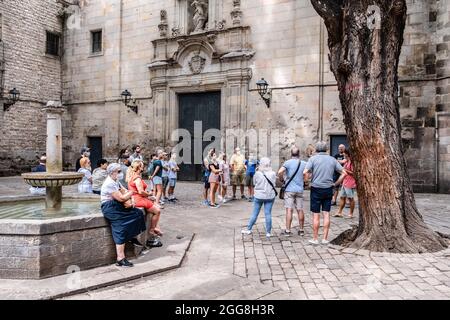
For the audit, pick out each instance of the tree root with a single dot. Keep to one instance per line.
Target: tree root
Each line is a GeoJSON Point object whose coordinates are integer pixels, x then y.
{"type": "Point", "coordinates": [422, 243]}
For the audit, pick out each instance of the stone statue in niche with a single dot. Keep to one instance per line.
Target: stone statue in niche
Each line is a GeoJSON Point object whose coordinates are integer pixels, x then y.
{"type": "Point", "coordinates": [200, 16]}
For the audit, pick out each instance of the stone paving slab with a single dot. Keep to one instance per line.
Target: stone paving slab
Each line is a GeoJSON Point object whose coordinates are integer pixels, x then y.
{"type": "Point", "coordinates": [303, 271]}
{"type": "Point", "coordinates": [153, 261]}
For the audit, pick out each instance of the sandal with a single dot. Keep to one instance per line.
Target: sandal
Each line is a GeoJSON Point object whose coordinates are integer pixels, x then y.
{"type": "Point", "coordinates": [158, 232]}
{"type": "Point", "coordinates": [338, 215]}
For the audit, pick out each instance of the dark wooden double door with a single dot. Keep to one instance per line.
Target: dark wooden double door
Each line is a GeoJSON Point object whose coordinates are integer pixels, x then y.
{"type": "Point", "coordinates": [202, 107]}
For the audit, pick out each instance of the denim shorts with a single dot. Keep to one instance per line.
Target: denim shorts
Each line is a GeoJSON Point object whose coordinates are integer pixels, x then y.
{"type": "Point", "coordinates": [321, 199]}
{"type": "Point", "coordinates": [172, 182]}
{"type": "Point", "coordinates": [165, 181]}
{"type": "Point", "coordinates": [347, 192]}
{"type": "Point", "coordinates": [157, 180]}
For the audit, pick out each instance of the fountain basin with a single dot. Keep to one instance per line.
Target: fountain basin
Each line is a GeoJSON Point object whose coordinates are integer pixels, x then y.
{"type": "Point", "coordinates": [36, 243]}
{"type": "Point", "coordinates": [45, 179]}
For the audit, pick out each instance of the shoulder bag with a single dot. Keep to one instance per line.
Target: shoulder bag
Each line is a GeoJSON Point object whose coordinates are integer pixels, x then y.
{"type": "Point", "coordinates": [283, 188]}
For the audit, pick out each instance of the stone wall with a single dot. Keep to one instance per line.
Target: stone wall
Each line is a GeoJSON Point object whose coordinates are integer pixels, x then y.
{"type": "Point", "coordinates": [36, 75]}
{"type": "Point", "coordinates": [289, 43]}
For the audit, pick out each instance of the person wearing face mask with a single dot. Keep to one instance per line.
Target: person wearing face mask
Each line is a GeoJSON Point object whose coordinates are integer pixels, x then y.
{"type": "Point", "coordinates": [126, 221]}
{"type": "Point", "coordinates": [250, 169]}
{"type": "Point", "coordinates": [237, 167]}
{"type": "Point", "coordinates": [85, 186]}
{"type": "Point", "coordinates": [214, 180]}
{"type": "Point", "coordinates": [85, 153]}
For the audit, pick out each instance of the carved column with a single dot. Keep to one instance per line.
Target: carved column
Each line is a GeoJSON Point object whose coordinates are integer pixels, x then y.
{"type": "Point", "coordinates": [163, 26]}
{"type": "Point", "coordinates": [236, 13]}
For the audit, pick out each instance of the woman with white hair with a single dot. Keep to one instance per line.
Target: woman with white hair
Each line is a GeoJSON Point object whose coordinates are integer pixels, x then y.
{"type": "Point", "coordinates": [265, 193]}
{"type": "Point", "coordinates": [118, 208]}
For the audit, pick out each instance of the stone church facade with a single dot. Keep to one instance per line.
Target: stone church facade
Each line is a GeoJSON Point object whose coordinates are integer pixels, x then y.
{"type": "Point", "coordinates": [181, 57]}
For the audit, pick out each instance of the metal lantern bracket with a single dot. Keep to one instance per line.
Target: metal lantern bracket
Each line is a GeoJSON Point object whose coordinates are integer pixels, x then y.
{"type": "Point", "coordinates": [128, 102]}
{"type": "Point", "coordinates": [264, 92]}
{"type": "Point", "coordinates": [14, 96]}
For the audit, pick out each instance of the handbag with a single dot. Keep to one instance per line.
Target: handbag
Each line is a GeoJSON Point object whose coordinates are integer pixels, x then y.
{"type": "Point", "coordinates": [270, 182]}
{"type": "Point", "coordinates": [283, 188]}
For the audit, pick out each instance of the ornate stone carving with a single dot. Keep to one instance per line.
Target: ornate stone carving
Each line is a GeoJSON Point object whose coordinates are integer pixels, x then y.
{"type": "Point", "coordinates": [236, 13]}
{"type": "Point", "coordinates": [197, 63]}
{"type": "Point", "coordinates": [176, 32]}
{"type": "Point", "coordinates": [163, 26]}
{"type": "Point", "coordinates": [200, 16]}
{"type": "Point", "coordinates": [220, 25]}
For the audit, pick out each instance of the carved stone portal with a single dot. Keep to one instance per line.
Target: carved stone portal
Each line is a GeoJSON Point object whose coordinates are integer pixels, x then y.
{"type": "Point", "coordinates": [197, 63]}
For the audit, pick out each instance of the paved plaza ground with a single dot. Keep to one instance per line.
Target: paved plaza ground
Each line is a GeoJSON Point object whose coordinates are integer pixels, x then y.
{"type": "Point", "coordinates": [220, 263]}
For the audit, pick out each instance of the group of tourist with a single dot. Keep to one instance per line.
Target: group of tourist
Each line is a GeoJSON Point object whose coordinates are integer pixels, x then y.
{"type": "Point", "coordinates": [161, 170]}
{"type": "Point", "coordinates": [128, 201]}
{"type": "Point", "coordinates": [218, 174]}
{"type": "Point", "coordinates": [320, 170]}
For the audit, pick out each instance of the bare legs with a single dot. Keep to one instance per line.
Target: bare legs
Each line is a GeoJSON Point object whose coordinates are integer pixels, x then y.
{"type": "Point", "coordinates": [316, 225]}
{"type": "Point", "coordinates": [120, 250]}
{"type": "Point", "coordinates": [153, 215]}
{"type": "Point", "coordinates": [342, 205]}
{"type": "Point", "coordinates": [158, 188]}
{"type": "Point", "coordinates": [214, 187]}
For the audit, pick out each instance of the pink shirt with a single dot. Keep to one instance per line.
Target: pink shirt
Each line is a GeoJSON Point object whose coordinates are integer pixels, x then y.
{"type": "Point", "coordinates": [349, 181]}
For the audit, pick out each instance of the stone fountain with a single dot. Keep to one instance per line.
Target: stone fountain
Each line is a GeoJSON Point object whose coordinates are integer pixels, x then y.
{"type": "Point", "coordinates": [40, 240]}
{"type": "Point", "coordinates": [54, 179]}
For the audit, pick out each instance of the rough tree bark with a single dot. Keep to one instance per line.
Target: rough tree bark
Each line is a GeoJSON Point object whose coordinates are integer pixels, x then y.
{"type": "Point", "coordinates": [364, 55]}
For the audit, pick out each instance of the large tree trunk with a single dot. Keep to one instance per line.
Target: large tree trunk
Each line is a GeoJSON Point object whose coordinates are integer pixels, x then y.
{"type": "Point", "coordinates": [364, 55]}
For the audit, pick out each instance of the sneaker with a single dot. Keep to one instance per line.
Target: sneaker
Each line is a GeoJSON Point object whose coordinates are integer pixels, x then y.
{"type": "Point", "coordinates": [165, 199]}
{"type": "Point", "coordinates": [250, 199]}
{"type": "Point", "coordinates": [314, 242]}
{"type": "Point", "coordinates": [268, 235]}
{"type": "Point", "coordinates": [246, 231]}
{"type": "Point", "coordinates": [153, 243]}
{"type": "Point", "coordinates": [124, 263]}
{"type": "Point", "coordinates": [286, 233]}
{"type": "Point", "coordinates": [161, 202]}
{"type": "Point", "coordinates": [214, 206]}
{"type": "Point", "coordinates": [220, 198]}
{"type": "Point", "coordinates": [243, 197]}
{"type": "Point", "coordinates": [325, 242]}
{"type": "Point", "coordinates": [205, 202]}
{"type": "Point", "coordinates": [301, 232]}
{"type": "Point", "coordinates": [234, 198]}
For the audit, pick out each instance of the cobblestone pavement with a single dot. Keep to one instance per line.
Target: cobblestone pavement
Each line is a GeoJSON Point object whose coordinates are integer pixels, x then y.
{"type": "Point", "coordinates": [223, 264]}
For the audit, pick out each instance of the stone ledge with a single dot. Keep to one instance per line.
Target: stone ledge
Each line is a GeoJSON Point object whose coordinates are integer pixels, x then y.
{"type": "Point", "coordinates": [28, 227]}
{"type": "Point", "coordinates": [156, 260]}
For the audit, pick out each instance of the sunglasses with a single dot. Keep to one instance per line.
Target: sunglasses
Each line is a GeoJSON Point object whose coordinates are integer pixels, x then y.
{"type": "Point", "coordinates": [119, 171]}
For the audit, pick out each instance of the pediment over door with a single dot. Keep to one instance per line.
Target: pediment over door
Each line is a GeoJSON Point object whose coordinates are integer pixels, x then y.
{"type": "Point", "coordinates": [194, 46]}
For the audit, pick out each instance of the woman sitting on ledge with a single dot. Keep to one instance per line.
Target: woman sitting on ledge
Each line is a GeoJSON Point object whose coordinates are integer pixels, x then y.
{"type": "Point", "coordinates": [117, 206]}
{"type": "Point", "coordinates": [140, 196]}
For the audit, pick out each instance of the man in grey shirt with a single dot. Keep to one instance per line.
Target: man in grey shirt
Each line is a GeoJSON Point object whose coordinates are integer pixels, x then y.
{"type": "Point", "coordinates": [321, 167]}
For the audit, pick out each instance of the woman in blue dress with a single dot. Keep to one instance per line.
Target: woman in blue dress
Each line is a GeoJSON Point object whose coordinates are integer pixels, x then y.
{"type": "Point", "coordinates": [126, 221]}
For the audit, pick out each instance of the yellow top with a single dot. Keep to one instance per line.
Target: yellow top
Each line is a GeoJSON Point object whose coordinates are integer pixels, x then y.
{"type": "Point", "coordinates": [238, 161]}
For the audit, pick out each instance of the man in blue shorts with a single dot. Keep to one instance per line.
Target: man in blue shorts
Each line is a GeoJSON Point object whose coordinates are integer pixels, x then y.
{"type": "Point", "coordinates": [321, 167]}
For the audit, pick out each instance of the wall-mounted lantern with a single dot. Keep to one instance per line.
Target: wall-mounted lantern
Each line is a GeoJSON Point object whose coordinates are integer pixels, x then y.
{"type": "Point", "coordinates": [13, 97]}
{"type": "Point", "coordinates": [126, 99]}
{"type": "Point", "coordinates": [264, 92]}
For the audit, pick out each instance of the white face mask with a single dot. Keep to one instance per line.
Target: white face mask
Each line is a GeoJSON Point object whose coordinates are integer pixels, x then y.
{"type": "Point", "coordinates": [238, 152]}
{"type": "Point", "coordinates": [120, 176]}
